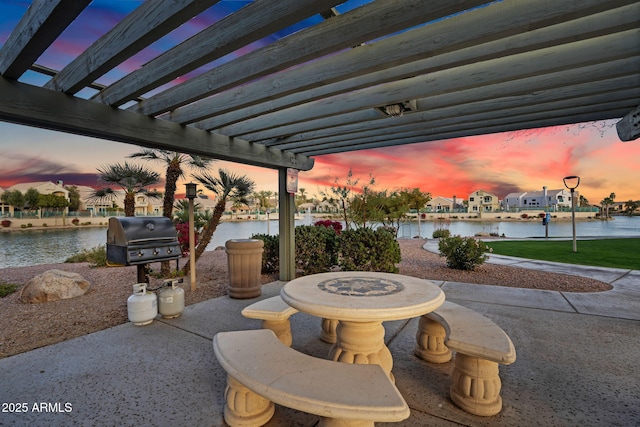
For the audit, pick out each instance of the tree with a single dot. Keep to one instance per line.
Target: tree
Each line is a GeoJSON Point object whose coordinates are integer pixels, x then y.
{"type": "Point", "coordinates": [607, 202]}
{"type": "Point", "coordinates": [263, 198]}
{"type": "Point", "coordinates": [31, 198]}
{"type": "Point", "coordinates": [52, 202]}
{"type": "Point", "coordinates": [583, 203]}
{"type": "Point", "coordinates": [225, 186]}
{"type": "Point", "coordinates": [417, 200]}
{"type": "Point", "coordinates": [14, 198]}
{"type": "Point", "coordinates": [342, 195]}
{"type": "Point", "coordinates": [631, 206]}
{"type": "Point", "coordinates": [74, 197]}
{"type": "Point", "coordinates": [132, 179]}
{"type": "Point", "coordinates": [368, 207]}
{"type": "Point", "coordinates": [174, 162]}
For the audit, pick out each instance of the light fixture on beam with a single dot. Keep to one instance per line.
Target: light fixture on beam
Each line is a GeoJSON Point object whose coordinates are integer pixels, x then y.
{"type": "Point", "coordinates": [398, 109]}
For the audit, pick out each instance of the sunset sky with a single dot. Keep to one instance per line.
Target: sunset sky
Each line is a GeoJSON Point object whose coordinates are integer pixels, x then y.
{"type": "Point", "coordinates": [499, 163]}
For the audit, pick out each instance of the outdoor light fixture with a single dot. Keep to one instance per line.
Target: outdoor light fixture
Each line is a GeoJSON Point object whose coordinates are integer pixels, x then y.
{"type": "Point", "coordinates": [397, 110]}
{"type": "Point", "coordinates": [191, 190]}
{"type": "Point", "coordinates": [191, 194]}
{"type": "Point", "coordinates": [572, 182]}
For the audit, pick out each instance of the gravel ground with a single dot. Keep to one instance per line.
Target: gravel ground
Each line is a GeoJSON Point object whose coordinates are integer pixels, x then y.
{"type": "Point", "coordinates": [29, 326]}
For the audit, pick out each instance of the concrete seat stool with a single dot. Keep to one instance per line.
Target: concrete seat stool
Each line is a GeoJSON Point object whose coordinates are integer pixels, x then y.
{"type": "Point", "coordinates": [480, 345]}
{"type": "Point", "coordinates": [262, 371]}
{"type": "Point", "coordinates": [274, 313]}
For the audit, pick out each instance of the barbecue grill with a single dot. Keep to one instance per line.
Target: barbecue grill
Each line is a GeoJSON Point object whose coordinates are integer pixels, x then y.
{"type": "Point", "coordinates": [141, 240]}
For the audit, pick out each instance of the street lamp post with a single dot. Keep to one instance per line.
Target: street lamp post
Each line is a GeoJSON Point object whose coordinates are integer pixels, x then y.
{"type": "Point", "coordinates": [191, 194]}
{"type": "Point", "coordinates": [572, 182]}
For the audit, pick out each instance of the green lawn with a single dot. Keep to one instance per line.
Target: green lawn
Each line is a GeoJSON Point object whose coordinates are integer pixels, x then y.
{"type": "Point", "coordinates": [616, 253]}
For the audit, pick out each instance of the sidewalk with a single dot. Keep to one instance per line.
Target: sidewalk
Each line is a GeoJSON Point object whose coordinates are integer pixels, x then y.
{"type": "Point", "coordinates": [576, 365]}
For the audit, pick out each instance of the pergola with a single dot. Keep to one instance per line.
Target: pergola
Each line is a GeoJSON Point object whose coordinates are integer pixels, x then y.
{"type": "Point", "coordinates": [380, 73]}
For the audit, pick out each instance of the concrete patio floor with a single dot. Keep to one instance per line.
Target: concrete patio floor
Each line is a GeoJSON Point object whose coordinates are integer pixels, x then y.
{"type": "Point", "coordinates": [577, 363]}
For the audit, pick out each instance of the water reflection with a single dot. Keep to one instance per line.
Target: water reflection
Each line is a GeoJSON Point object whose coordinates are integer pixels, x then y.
{"type": "Point", "coordinates": [31, 247]}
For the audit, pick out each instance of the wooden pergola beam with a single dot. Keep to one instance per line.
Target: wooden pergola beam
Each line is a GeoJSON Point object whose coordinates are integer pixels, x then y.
{"type": "Point", "coordinates": [41, 24]}
{"type": "Point", "coordinates": [34, 106]}
{"type": "Point", "coordinates": [147, 23]}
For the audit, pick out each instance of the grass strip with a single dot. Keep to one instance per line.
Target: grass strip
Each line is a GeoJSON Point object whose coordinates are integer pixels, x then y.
{"type": "Point", "coordinates": [614, 253]}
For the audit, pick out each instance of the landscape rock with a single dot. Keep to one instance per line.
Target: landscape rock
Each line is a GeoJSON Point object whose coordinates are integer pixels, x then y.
{"type": "Point", "coordinates": [53, 285]}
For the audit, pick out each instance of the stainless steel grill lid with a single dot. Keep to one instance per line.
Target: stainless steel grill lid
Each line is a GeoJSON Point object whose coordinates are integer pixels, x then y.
{"type": "Point", "coordinates": [141, 240]}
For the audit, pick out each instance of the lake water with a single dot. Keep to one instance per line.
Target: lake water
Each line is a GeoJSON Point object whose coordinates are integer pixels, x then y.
{"type": "Point", "coordinates": [32, 247]}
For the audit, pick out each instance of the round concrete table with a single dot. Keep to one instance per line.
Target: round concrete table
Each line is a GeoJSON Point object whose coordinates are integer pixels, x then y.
{"type": "Point", "coordinates": [361, 301]}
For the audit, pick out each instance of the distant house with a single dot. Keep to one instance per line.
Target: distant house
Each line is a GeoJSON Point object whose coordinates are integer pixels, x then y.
{"type": "Point", "coordinates": [444, 204]}
{"type": "Point", "coordinates": [483, 201]}
{"type": "Point", "coordinates": [327, 207]}
{"type": "Point", "coordinates": [144, 205]}
{"type": "Point", "coordinates": [44, 187]}
{"type": "Point", "coordinates": [94, 206]}
{"type": "Point", "coordinates": [552, 200]}
{"type": "Point", "coordinates": [204, 203]}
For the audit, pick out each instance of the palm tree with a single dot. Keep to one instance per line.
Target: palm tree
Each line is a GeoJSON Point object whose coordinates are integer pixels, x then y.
{"type": "Point", "coordinates": [174, 162]}
{"type": "Point", "coordinates": [132, 179]}
{"type": "Point", "coordinates": [225, 186]}
{"type": "Point", "coordinates": [263, 198]}
{"type": "Point", "coordinates": [606, 202]}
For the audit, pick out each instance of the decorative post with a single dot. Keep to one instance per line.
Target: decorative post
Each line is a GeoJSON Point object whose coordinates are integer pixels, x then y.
{"type": "Point", "coordinates": [572, 182]}
{"type": "Point", "coordinates": [191, 194]}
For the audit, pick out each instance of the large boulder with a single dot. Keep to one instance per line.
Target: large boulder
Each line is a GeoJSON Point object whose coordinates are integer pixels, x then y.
{"type": "Point", "coordinates": [53, 285]}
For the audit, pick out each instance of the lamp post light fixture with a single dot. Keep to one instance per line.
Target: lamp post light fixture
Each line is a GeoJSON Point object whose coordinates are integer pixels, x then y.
{"type": "Point", "coordinates": [572, 182]}
{"type": "Point", "coordinates": [191, 194]}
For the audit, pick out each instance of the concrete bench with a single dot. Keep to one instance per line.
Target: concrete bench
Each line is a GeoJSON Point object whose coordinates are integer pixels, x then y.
{"type": "Point", "coordinates": [262, 371]}
{"type": "Point", "coordinates": [480, 345]}
{"type": "Point", "coordinates": [274, 313]}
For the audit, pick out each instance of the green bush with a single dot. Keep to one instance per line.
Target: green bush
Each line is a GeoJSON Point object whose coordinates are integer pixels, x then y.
{"type": "Point", "coordinates": [316, 248]}
{"type": "Point", "coordinates": [463, 253]}
{"type": "Point", "coordinates": [365, 249]}
{"type": "Point", "coordinates": [441, 232]}
{"type": "Point", "coordinates": [96, 256]}
{"type": "Point", "coordinates": [271, 254]}
{"type": "Point", "coordinates": [7, 289]}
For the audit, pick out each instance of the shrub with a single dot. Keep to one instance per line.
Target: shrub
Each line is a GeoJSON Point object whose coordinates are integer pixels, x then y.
{"type": "Point", "coordinates": [271, 254]}
{"type": "Point", "coordinates": [364, 249]}
{"type": "Point", "coordinates": [335, 225]}
{"type": "Point", "coordinates": [44, 224]}
{"type": "Point", "coordinates": [441, 232]}
{"type": "Point", "coordinates": [6, 223]}
{"type": "Point", "coordinates": [7, 289]}
{"type": "Point", "coordinates": [96, 256]}
{"type": "Point", "coordinates": [75, 221]}
{"type": "Point", "coordinates": [524, 216]}
{"type": "Point", "coordinates": [463, 253]}
{"type": "Point", "coordinates": [182, 229]}
{"type": "Point", "coordinates": [316, 248]}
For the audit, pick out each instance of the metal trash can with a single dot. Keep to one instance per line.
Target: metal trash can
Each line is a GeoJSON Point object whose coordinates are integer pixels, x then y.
{"type": "Point", "coordinates": [245, 266]}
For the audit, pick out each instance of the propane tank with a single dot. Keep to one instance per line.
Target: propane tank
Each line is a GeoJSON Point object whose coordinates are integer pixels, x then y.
{"type": "Point", "coordinates": [171, 299]}
{"type": "Point", "coordinates": [142, 306]}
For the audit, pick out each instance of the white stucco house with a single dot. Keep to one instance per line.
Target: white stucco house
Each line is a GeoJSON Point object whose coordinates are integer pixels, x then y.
{"type": "Point", "coordinates": [552, 200]}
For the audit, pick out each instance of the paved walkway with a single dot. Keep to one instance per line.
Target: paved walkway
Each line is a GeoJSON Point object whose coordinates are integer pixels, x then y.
{"type": "Point", "coordinates": [577, 363]}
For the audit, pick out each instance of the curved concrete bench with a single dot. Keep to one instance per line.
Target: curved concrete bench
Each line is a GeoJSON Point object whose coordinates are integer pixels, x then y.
{"type": "Point", "coordinates": [480, 345]}
{"type": "Point", "coordinates": [274, 313]}
{"type": "Point", "coordinates": [263, 371]}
